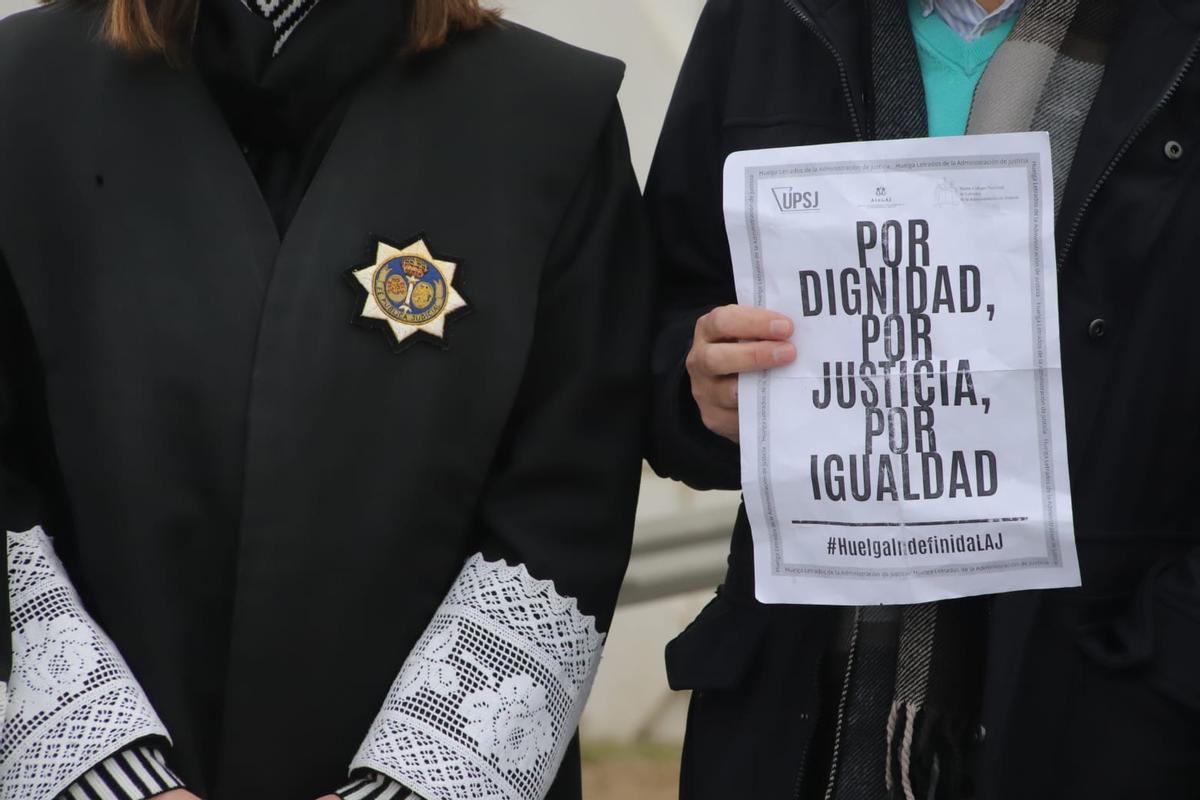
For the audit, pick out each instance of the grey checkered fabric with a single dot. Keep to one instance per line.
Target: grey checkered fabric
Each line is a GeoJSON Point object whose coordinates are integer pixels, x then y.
{"type": "Point", "coordinates": [913, 670]}
{"type": "Point", "coordinates": [1046, 75]}
{"type": "Point", "coordinates": [908, 714]}
{"type": "Point", "coordinates": [897, 87]}
{"type": "Point", "coordinates": [860, 752]}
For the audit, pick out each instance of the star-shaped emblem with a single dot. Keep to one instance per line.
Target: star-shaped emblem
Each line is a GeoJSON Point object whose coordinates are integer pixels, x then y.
{"type": "Point", "coordinates": [409, 290]}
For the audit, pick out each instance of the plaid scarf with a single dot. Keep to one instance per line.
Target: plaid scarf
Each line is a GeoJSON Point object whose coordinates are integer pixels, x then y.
{"type": "Point", "coordinates": [1046, 76]}
{"type": "Point", "coordinates": [908, 716]}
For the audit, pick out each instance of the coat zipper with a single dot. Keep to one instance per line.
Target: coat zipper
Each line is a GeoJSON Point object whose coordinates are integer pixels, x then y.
{"type": "Point", "coordinates": [1170, 91]}
{"type": "Point", "coordinates": [807, 19]}
{"type": "Point", "coordinates": [802, 772]}
{"type": "Point", "coordinates": [809, 23]}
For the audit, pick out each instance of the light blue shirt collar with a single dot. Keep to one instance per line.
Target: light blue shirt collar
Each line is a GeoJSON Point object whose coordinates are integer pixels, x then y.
{"type": "Point", "coordinates": [968, 19]}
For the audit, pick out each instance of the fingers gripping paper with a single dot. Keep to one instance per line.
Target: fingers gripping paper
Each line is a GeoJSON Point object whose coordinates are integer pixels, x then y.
{"type": "Point", "coordinates": [916, 450]}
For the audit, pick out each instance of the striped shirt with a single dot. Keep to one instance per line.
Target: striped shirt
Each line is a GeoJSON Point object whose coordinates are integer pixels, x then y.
{"type": "Point", "coordinates": [968, 19]}
{"type": "Point", "coordinates": [375, 787]}
{"type": "Point", "coordinates": [284, 15]}
{"type": "Point", "coordinates": [141, 772]}
{"type": "Point", "coordinates": [137, 773]}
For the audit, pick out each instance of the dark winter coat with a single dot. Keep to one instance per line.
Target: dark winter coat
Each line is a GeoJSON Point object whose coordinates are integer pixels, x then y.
{"type": "Point", "coordinates": [1091, 693]}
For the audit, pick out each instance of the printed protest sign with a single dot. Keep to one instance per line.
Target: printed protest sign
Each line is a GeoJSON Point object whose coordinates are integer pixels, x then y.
{"type": "Point", "coordinates": [916, 450]}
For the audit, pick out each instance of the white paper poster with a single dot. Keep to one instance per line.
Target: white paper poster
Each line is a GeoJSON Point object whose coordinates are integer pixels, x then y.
{"type": "Point", "coordinates": [916, 450]}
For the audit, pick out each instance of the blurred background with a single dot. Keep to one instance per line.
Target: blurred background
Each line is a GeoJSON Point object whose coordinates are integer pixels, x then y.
{"type": "Point", "coordinates": [633, 727]}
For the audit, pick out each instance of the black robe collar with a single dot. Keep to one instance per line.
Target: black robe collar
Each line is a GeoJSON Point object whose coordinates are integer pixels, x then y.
{"type": "Point", "coordinates": [285, 109]}
{"type": "Point", "coordinates": [279, 98]}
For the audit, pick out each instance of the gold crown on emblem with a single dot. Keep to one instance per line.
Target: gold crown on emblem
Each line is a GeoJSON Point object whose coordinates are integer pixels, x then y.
{"type": "Point", "coordinates": [415, 269]}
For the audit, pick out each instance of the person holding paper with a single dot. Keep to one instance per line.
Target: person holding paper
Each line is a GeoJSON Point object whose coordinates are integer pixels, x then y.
{"type": "Point", "coordinates": [323, 336]}
{"type": "Point", "coordinates": [1091, 692]}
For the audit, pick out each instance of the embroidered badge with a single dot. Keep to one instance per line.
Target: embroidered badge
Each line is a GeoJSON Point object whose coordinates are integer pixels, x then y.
{"type": "Point", "coordinates": [409, 290]}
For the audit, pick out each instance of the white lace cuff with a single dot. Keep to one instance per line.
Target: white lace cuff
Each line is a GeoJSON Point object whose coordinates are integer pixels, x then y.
{"type": "Point", "coordinates": [72, 701]}
{"type": "Point", "coordinates": [491, 695]}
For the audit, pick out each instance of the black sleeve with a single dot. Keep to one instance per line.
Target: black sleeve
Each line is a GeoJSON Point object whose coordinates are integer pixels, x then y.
{"type": "Point", "coordinates": [43, 611]}
{"type": "Point", "coordinates": [1159, 634]}
{"type": "Point", "coordinates": [27, 467]}
{"type": "Point", "coordinates": [683, 198]}
{"type": "Point", "coordinates": [25, 461]}
{"type": "Point", "coordinates": [493, 691]}
{"type": "Point", "coordinates": [1175, 603]}
{"type": "Point", "coordinates": [565, 484]}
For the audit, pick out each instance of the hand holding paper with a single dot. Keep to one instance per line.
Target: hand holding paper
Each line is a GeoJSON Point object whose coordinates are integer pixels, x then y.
{"type": "Point", "coordinates": [916, 448]}
{"type": "Point", "coordinates": [731, 340]}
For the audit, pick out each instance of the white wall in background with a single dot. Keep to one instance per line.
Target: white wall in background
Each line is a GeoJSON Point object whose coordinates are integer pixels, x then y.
{"type": "Point", "coordinates": [650, 36]}
{"type": "Point", "coordinates": [9, 6]}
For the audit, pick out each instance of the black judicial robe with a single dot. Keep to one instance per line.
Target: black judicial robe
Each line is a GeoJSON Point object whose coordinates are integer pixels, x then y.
{"type": "Point", "coordinates": [260, 498]}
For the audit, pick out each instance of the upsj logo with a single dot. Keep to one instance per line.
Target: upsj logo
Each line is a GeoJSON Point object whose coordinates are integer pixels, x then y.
{"type": "Point", "coordinates": [409, 291]}
{"type": "Point", "coordinates": [791, 201]}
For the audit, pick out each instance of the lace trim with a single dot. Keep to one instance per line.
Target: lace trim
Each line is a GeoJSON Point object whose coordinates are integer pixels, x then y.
{"type": "Point", "coordinates": [72, 701]}
{"type": "Point", "coordinates": [491, 695]}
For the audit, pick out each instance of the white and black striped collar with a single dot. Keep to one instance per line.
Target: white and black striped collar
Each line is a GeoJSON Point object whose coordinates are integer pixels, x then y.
{"type": "Point", "coordinates": [284, 15]}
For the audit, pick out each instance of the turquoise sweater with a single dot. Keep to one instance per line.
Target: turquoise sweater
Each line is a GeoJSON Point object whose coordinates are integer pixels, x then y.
{"type": "Point", "coordinates": [951, 67]}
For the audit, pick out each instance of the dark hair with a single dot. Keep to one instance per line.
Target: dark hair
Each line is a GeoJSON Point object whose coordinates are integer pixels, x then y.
{"type": "Point", "coordinates": [163, 27]}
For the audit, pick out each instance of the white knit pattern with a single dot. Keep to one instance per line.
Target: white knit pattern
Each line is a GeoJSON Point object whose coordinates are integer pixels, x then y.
{"type": "Point", "coordinates": [491, 695]}
{"type": "Point", "coordinates": [72, 701]}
